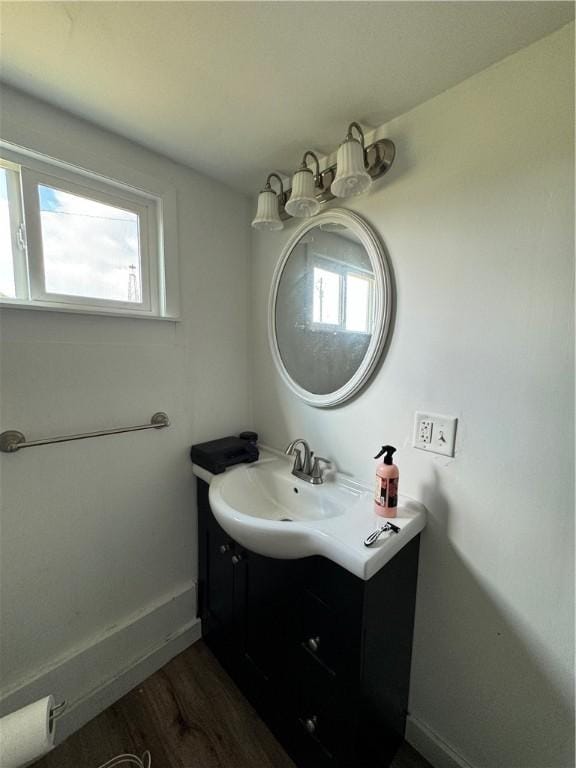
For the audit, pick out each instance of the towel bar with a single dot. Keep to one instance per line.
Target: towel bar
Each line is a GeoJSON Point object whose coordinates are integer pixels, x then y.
{"type": "Point", "coordinates": [12, 440]}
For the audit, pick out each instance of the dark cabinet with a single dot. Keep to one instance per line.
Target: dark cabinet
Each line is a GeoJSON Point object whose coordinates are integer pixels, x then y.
{"type": "Point", "coordinates": [322, 655]}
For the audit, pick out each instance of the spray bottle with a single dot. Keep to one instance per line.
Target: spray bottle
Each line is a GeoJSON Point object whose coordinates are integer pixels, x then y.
{"type": "Point", "coordinates": [386, 496]}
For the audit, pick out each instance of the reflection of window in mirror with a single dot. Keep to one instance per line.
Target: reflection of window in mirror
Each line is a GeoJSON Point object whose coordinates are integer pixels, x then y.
{"type": "Point", "coordinates": [342, 299]}
{"type": "Point", "coordinates": [327, 292]}
{"type": "Point", "coordinates": [358, 301]}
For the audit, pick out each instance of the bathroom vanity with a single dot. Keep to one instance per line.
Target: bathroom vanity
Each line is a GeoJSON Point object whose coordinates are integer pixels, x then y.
{"type": "Point", "coordinates": [321, 653]}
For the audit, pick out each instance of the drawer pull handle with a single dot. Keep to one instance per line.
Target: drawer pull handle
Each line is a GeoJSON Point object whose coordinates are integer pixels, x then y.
{"type": "Point", "coordinates": [224, 548]}
{"type": "Point", "coordinates": [236, 559]}
{"type": "Point", "coordinates": [313, 643]}
{"type": "Point", "coordinates": [310, 724]}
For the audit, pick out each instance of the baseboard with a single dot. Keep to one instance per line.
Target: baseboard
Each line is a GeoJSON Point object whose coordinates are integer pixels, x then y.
{"type": "Point", "coordinates": [95, 676]}
{"type": "Point", "coordinates": [432, 746]}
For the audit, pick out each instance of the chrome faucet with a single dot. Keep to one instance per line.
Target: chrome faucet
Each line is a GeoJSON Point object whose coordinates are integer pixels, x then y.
{"type": "Point", "coordinates": [309, 468]}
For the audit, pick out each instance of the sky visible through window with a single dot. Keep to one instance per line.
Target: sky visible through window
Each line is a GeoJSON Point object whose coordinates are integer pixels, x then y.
{"type": "Point", "coordinates": [357, 303]}
{"type": "Point", "coordinates": [90, 249]}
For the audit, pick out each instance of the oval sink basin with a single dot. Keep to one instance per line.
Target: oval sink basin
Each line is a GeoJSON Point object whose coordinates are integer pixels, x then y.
{"type": "Point", "coordinates": [266, 509]}
{"type": "Point", "coordinates": [267, 490]}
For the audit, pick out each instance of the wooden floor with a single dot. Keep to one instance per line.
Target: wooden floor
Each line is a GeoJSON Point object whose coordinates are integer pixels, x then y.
{"type": "Point", "coordinates": [189, 715]}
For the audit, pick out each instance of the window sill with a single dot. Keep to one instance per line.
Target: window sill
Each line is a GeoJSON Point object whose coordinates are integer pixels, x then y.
{"type": "Point", "coordinates": [93, 311]}
{"type": "Point", "coordinates": [320, 328]}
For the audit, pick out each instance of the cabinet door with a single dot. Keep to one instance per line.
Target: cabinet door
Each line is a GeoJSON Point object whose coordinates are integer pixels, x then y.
{"type": "Point", "coordinates": [269, 605]}
{"type": "Point", "coordinates": [220, 597]}
{"type": "Point", "coordinates": [219, 625]}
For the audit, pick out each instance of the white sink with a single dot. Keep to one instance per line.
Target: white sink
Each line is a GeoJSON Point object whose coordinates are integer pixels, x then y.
{"type": "Point", "coordinates": [266, 509]}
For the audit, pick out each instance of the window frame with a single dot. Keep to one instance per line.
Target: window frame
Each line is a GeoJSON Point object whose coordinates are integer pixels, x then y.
{"type": "Point", "coordinates": [17, 230]}
{"type": "Point", "coordinates": [150, 207]}
{"type": "Point", "coordinates": [31, 180]}
{"type": "Point", "coordinates": [319, 324]}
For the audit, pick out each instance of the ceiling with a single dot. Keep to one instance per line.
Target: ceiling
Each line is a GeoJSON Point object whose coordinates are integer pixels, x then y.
{"type": "Point", "coordinates": [237, 89]}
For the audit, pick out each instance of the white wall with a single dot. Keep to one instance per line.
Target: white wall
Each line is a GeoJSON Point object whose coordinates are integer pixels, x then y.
{"type": "Point", "coordinates": [477, 216]}
{"type": "Point", "coordinates": [99, 536]}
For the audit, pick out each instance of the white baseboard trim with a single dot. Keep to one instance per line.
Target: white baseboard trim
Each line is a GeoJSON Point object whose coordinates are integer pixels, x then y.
{"type": "Point", "coordinates": [432, 746]}
{"type": "Point", "coordinates": [105, 695]}
{"type": "Point", "coordinates": [95, 676]}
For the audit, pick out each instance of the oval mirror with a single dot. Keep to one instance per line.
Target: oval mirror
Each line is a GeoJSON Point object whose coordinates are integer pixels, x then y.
{"type": "Point", "coordinates": [330, 307]}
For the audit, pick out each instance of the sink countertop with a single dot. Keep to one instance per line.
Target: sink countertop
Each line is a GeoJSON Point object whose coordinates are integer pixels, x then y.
{"type": "Point", "coordinates": [341, 538]}
{"type": "Point", "coordinates": [266, 454]}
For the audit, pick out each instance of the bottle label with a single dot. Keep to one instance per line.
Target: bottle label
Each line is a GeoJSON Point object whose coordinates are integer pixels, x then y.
{"type": "Point", "coordinates": [386, 492]}
{"type": "Point", "coordinates": [393, 492]}
{"type": "Point", "coordinates": [381, 488]}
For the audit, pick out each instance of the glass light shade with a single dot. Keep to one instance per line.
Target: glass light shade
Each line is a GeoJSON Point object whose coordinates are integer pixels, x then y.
{"type": "Point", "coordinates": [267, 216]}
{"type": "Point", "coordinates": [351, 175]}
{"type": "Point", "coordinates": [303, 203]}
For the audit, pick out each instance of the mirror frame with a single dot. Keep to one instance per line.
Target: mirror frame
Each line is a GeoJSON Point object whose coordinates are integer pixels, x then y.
{"type": "Point", "coordinates": [382, 309]}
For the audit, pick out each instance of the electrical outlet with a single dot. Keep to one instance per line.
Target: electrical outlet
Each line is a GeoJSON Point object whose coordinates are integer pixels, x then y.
{"type": "Point", "coordinates": [434, 432]}
{"type": "Point", "coordinates": [425, 431]}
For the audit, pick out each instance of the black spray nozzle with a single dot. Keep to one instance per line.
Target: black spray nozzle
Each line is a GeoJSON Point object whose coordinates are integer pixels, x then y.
{"type": "Point", "coordinates": [389, 450]}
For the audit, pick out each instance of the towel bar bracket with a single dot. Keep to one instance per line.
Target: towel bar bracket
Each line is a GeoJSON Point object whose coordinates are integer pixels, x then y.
{"type": "Point", "coordinates": [160, 420]}
{"type": "Point", "coordinates": [10, 440]}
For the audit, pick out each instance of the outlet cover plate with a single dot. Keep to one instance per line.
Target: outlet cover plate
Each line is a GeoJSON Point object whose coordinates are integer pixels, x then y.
{"type": "Point", "coordinates": [435, 433]}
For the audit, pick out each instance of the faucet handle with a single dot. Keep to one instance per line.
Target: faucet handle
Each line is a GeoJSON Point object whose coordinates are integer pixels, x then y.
{"type": "Point", "coordinates": [317, 469]}
{"type": "Point", "coordinates": [297, 453]}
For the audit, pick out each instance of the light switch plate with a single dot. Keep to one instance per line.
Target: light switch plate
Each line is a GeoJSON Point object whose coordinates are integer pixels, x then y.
{"type": "Point", "coordinates": [435, 433]}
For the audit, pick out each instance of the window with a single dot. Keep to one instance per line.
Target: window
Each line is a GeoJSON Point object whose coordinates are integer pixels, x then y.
{"type": "Point", "coordinates": [342, 299]}
{"type": "Point", "coordinates": [90, 249]}
{"type": "Point", "coordinates": [358, 300]}
{"type": "Point", "coordinates": [75, 241]}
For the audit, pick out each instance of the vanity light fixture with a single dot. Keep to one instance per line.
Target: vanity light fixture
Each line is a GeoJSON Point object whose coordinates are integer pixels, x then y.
{"type": "Point", "coordinates": [356, 167]}
{"type": "Point", "coordinates": [268, 213]}
{"type": "Point", "coordinates": [352, 178]}
{"type": "Point", "coordinates": [303, 202]}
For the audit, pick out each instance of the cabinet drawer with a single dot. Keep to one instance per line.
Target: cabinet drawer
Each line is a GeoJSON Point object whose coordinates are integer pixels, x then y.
{"type": "Point", "coordinates": [335, 587]}
{"type": "Point", "coordinates": [321, 710]}
{"type": "Point", "coordinates": [328, 638]}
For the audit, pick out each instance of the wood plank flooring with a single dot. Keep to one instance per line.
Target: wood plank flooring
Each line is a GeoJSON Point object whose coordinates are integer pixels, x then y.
{"type": "Point", "coordinates": [189, 715]}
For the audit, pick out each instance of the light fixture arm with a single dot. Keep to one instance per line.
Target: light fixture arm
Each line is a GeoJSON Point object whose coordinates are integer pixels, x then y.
{"type": "Point", "coordinates": [269, 186]}
{"type": "Point", "coordinates": [360, 131]}
{"type": "Point", "coordinates": [304, 165]}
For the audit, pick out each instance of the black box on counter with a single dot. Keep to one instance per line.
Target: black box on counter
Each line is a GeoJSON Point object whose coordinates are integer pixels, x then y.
{"type": "Point", "coordinates": [217, 455]}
